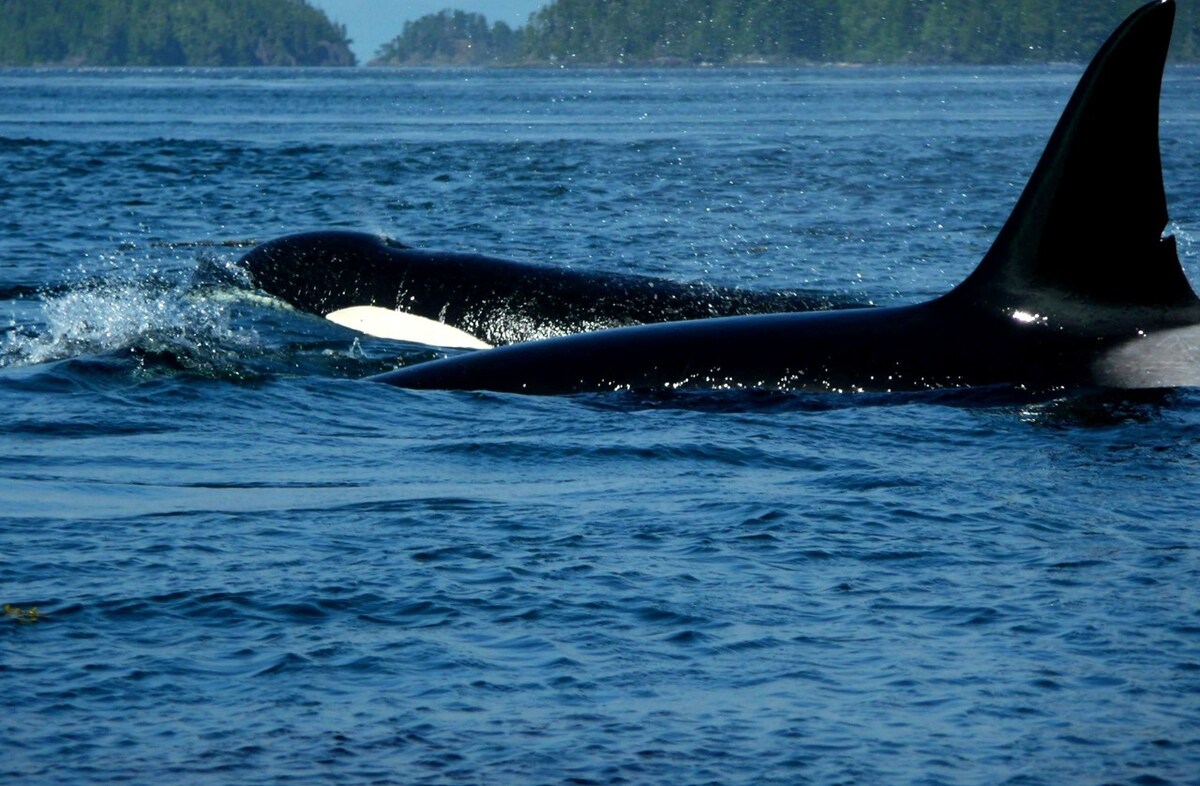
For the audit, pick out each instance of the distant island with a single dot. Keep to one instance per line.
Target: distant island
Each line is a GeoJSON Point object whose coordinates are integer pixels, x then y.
{"type": "Point", "coordinates": [576, 32]}
{"type": "Point", "coordinates": [733, 32]}
{"type": "Point", "coordinates": [454, 38]}
{"type": "Point", "coordinates": [161, 33]}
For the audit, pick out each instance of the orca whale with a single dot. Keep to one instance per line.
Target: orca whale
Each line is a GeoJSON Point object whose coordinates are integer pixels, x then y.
{"type": "Point", "coordinates": [1080, 287]}
{"type": "Point", "coordinates": [384, 288]}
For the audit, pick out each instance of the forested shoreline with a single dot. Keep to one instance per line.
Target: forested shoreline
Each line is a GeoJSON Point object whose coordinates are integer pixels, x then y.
{"type": "Point", "coordinates": [169, 33]}
{"type": "Point", "coordinates": [576, 32]}
{"type": "Point", "coordinates": [693, 32]}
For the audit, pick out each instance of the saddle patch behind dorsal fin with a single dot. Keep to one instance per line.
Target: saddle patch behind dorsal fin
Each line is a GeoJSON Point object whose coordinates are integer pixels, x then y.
{"type": "Point", "coordinates": [1088, 227]}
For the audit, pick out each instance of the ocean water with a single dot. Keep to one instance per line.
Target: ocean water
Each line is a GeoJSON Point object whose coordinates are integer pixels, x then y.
{"type": "Point", "coordinates": [248, 565]}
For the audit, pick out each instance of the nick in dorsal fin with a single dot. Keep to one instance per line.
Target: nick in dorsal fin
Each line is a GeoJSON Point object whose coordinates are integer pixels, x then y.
{"type": "Point", "coordinates": [1087, 230]}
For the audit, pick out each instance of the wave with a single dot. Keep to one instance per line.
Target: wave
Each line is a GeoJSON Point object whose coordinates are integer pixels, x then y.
{"type": "Point", "coordinates": [141, 312]}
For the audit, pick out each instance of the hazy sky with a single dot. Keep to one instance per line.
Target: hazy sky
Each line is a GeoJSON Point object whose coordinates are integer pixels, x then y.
{"type": "Point", "coordinates": [371, 23]}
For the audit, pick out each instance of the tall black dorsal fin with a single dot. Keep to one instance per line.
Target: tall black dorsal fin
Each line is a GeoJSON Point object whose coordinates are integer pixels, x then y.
{"type": "Point", "coordinates": [1088, 227]}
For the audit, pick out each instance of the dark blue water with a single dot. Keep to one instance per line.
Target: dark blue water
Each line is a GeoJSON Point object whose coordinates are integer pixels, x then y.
{"type": "Point", "coordinates": [250, 566]}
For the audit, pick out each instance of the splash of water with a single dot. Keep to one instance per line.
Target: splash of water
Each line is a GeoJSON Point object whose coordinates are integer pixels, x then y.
{"type": "Point", "coordinates": [178, 319]}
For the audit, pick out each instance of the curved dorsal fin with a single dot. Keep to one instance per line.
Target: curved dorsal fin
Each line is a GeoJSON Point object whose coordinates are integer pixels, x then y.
{"type": "Point", "coordinates": [1088, 226]}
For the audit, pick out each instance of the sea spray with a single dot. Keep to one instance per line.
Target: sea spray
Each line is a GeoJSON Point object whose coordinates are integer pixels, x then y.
{"type": "Point", "coordinates": [178, 318]}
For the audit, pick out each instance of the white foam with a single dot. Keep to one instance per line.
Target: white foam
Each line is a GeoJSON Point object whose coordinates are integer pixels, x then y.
{"type": "Point", "coordinates": [115, 314]}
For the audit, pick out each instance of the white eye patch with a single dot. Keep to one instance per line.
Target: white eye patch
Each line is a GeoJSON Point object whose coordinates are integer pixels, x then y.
{"type": "Point", "coordinates": [398, 325]}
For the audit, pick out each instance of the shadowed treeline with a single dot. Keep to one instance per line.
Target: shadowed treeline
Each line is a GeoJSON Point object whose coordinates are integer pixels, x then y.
{"type": "Point", "coordinates": [159, 33]}
{"type": "Point", "coordinates": [584, 32]}
{"type": "Point", "coordinates": [778, 31]}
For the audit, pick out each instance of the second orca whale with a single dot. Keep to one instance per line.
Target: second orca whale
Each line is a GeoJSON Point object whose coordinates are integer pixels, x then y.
{"type": "Point", "coordinates": [1080, 287]}
{"type": "Point", "coordinates": [382, 287]}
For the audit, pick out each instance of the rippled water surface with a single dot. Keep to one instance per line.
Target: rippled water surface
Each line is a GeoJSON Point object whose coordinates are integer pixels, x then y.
{"type": "Point", "coordinates": [250, 566]}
